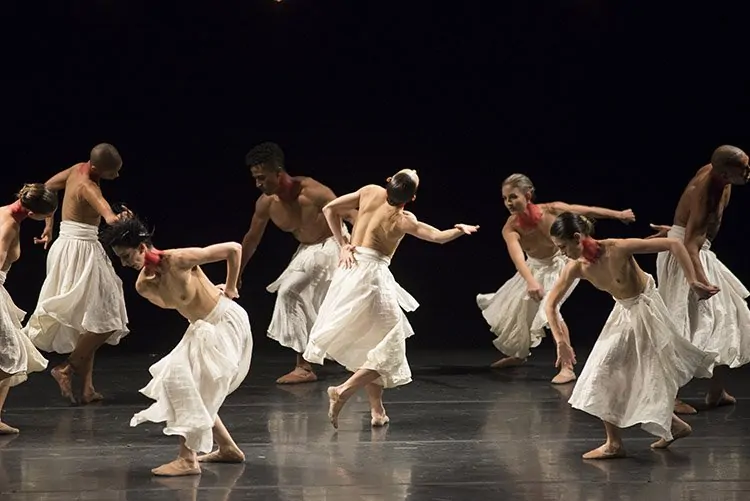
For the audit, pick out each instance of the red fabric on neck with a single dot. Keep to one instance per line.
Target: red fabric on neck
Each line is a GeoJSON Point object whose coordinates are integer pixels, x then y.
{"type": "Point", "coordinates": [18, 211]}
{"type": "Point", "coordinates": [530, 218]}
{"type": "Point", "coordinates": [591, 249]}
{"type": "Point", "coordinates": [153, 257]}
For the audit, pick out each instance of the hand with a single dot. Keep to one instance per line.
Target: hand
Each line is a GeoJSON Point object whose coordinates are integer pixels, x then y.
{"type": "Point", "coordinates": [626, 216]}
{"type": "Point", "coordinates": [45, 239]}
{"type": "Point", "coordinates": [703, 291]}
{"type": "Point", "coordinates": [228, 292]}
{"type": "Point", "coordinates": [125, 213]}
{"type": "Point", "coordinates": [467, 228]}
{"type": "Point", "coordinates": [661, 231]}
{"type": "Point", "coordinates": [565, 355]}
{"type": "Point", "coordinates": [535, 291]}
{"type": "Point", "coordinates": [346, 256]}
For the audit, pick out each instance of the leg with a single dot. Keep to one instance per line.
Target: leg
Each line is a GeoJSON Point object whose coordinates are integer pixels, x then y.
{"type": "Point", "coordinates": [566, 374]}
{"type": "Point", "coordinates": [680, 429]}
{"type": "Point", "coordinates": [185, 464]}
{"type": "Point", "coordinates": [4, 388]}
{"type": "Point", "coordinates": [377, 411]}
{"type": "Point", "coordinates": [507, 362]}
{"type": "Point", "coordinates": [302, 373]}
{"type": "Point", "coordinates": [717, 396]}
{"type": "Point", "coordinates": [681, 407]}
{"type": "Point", "coordinates": [228, 451]}
{"type": "Point", "coordinates": [338, 395]}
{"type": "Point", "coordinates": [612, 448]}
{"type": "Point", "coordinates": [81, 360]}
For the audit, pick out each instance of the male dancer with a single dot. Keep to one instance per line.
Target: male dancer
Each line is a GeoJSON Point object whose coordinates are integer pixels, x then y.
{"type": "Point", "coordinates": [721, 325]}
{"type": "Point", "coordinates": [360, 324]}
{"type": "Point", "coordinates": [294, 204]}
{"type": "Point", "coordinates": [81, 305]}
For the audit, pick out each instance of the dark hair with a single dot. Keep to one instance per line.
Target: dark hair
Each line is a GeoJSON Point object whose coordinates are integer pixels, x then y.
{"type": "Point", "coordinates": [105, 157]}
{"type": "Point", "coordinates": [268, 154]}
{"type": "Point", "coordinates": [36, 197]}
{"type": "Point", "coordinates": [129, 232]}
{"type": "Point", "coordinates": [400, 189]}
{"type": "Point", "coordinates": [568, 224]}
{"type": "Point", "coordinates": [726, 157]}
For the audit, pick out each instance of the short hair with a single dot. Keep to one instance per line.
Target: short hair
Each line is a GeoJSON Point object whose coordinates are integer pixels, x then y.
{"type": "Point", "coordinates": [105, 157]}
{"type": "Point", "coordinates": [36, 197]}
{"type": "Point", "coordinates": [128, 232]}
{"type": "Point", "coordinates": [269, 154]}
{"type": "Point", "coordinates": [400, 189]}
{"type": "Point", "coordinates": [520, 181]}
{"type": "Point", "coordinates": [727, 157]}
{"type": "Point", "coordinates": [567, 224]}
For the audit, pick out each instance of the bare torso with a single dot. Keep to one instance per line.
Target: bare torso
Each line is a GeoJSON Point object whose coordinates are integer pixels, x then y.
{"type": "Point", "coordinates": [615, 272]}
{"type": "Point", "coordinates": [189, 291]}
{"type": "Point", "coordinates": [536, 242]}
{"type": "Point", "coordinates": [75, 207]}
{"type": "Point", "coordinates": [715, 199]}
{"type": "Point", "coordinates": [301, 217]}
{"type": "Point", "coordinates": [378, 225]}
{"type": "Point", "coordinates": [10, 225]}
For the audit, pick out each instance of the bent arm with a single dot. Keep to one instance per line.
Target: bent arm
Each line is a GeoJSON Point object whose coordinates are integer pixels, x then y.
{"type": "Point", "coordinates": [335, 210]}
{"type": "Point", "coordinates": [231, 252]}
{"type": "Point", "coordinates": [254, 235]}
{"type": "Point", "coordinates": [93, 195]}
{"type": "Point", "coordinates": [654, 245]}
{"type": "Point", "coordinates": [558, 208]}
{"type": "Point", "coordinates": [55, 184]}
{"type": "Point", "coordinates": [513, 242]}
{"type": "Point", "coordinates": [424, 231]}
{"type": "Point", "coordinates": [570, 273]}
{"type": "Point", "coordinates": [322, 195]}
{"type": "Point", "coordinates": [696, 232]}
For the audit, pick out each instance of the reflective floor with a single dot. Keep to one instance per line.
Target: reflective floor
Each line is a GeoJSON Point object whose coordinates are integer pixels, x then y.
{"type": "Point", "coordinates": [458, 432]}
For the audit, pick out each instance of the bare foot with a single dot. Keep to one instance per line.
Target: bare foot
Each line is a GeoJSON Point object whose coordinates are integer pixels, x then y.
{"type": "Point", "coordinates": [507, 362]}
{"type": "Point", "coordinates": [63, 376]}
{"type": "Point", "coordinates": [8, 430]}
{"type": "Point", "coordinates": [335, 404]}
{"type": "Point", "coordinates": [720, 400]}
{"type": "Point", "coordinates": [297, 376]}
{"type": "Point", "coordinates": [681, 407]}
{"type": "Point", "coordinates": [680, 429]}
{"type": "Point", "coordinates": [228, 455]}
{"type": "Point", "coordinates": [90, 396]}
{"type": "Point", "coordinates": [178, 468]}
{"type": "Point", "coordinates": [606, 451]}
{"type": "Point", "coordinates": [564, 376]}
{"type": "Point", "coordinates": [379, 420]}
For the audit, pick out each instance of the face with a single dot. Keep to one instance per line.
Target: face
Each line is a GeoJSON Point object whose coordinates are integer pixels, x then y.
{"type": "Point", "coordinates": [110, 174]}
{"type": "Point", "coordinates": [266, 180]}
{"type": "Point", "coordinates": [514, 199]}
{"type": "Point", "coordinates": [738, 174]}
{"type": "Point", "coordinates": [570, 248]}
{"type": "Point", "coordinates": [133, 258]}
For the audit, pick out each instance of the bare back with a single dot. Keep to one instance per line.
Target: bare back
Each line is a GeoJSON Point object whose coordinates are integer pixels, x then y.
{"type": "Point", "coordinates": [302, 217]}
{"type": "Point", "coordinates": [11, 231]}
{"type": "Point", "coordinates": [379, 224]}
{"type": "Point", "coordinates": [616, 271]}
{"type": "Point", "coordinates": [701, 196]}
{"type": "Point", "coordinates": [189, 291]}
{"type": "Point", "coordinates": [75, 206]}
{"type": "Point", "coordinates": [535, 242]}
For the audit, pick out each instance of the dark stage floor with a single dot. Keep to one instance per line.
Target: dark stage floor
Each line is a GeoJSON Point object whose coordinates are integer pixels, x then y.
{"type": "Point", "coordinates": [458, 432]}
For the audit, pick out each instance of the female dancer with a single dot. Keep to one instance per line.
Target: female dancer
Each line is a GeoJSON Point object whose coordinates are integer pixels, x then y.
{"type": "Point", "coordinates": [18, 356]}
{"type": "Point", "coordinates": [515, 312]}
{"type": "Point", "coordinates": [640, 359]}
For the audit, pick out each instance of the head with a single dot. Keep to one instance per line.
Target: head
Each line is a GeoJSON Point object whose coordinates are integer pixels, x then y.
{"type": "Point", "coordinates": [401, 188]}
{"type": "Point", "coordinates": [38, 200]}
{"type": "Point", "coordinates": [518, 191]}
{"type": "Point", "coordinates": [129, 239]}
{"type": "Point", "coordinates": [266, 162]}
{"type": "Point", "coordinates": [105, 161]}
{"type": "Point", "coordinates": [730, 164]}
{"type": "Point", "coordinates": [568, 231]}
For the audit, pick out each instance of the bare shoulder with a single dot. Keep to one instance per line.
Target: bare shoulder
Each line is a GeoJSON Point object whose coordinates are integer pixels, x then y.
{"type": "Point", "coordinates": [263, 203]}
{"type": "Point", "coordinates": [309, 183]}
{"type": "Point", "coordinates": [410, 216]}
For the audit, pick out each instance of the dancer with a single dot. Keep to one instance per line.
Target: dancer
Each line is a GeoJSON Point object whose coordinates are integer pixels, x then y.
{"type": "Point", "coordinates": [18, 356]}
{"type": "Point", "coordinates": [294, 204]}
{"type": "Point", "coordinates": [213, 358]}
{"type": "Point", "coordinates": [723, 324]}
{"type": "Point", "coordinates": [516, 312]}
{"type": "Point", "coordinates": [640, 359]}
{"type": "Point", "coordinates": [360, 324]}
{"type": "Point", "coordinates": [81, 305]}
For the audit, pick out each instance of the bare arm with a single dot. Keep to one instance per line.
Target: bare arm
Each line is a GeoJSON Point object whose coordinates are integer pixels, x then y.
{"type": "Point", "coordinates": [93, 195]}
{"type": "Point", "coordinates": [334, 211]}
{"type": "Point", "coordinates": [655, 245]}
{"type": "Point", "coordinates": [558, 208]}
{"type": "Point", "coordinates": [570, 273]}
{"type": "Point", "coordinates": [322, 195]}
{"type": "Point", "coordinates": [56, 183]}
{"type": "Point", "coordinates": [7, 235]}
{"type": "Point", "coordinates": [424, 231]}
{"type": "Point", "coordinates": [231, 252]}
{"type": "Point", "coordinates": [513, 242]}
{"type": "Point", "coordinates": [696, 230]}
{"type": "Point", "coordinates": [252, 238]}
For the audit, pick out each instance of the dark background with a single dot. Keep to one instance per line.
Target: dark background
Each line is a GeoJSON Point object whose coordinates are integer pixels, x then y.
{"type": "Point", "coordinates": [599, 104]}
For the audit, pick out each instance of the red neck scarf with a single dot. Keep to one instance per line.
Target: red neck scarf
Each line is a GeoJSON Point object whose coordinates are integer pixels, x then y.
{"type": "Point", "coordinates": [592, 251]}
{"type": "Point", "coordinates": [85, 168]}
{"type": "Point", "coordinates": [529, 219]}
{"type": "Point", "coordinates": [152, 258]}
{"type": "Point", "coordinates": [18, 211]}
{"type": "Point", "coordinates": [288, 187]}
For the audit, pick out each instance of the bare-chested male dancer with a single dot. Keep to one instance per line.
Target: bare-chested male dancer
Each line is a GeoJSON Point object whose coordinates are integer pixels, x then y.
{"type": "Point", "coordinates": [81, 305]}
{"type": "Point", "coordinates": [721, 325]}
{"type": "Point", "coordinates": [18, 355]}
{"type": "Point", "coordinates": [294, 205]}
{"type": "Point", "coordinates": [515, 312]}
{"type": "Point", "coordinates": [361, 324]}
{"type": "Point", "coordinates": [213, 358]}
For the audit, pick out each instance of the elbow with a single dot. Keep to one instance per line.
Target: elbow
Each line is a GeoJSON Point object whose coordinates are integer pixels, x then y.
{"type": "Point", "coordinates": [328, 211]}
{"type": "Point", "coordinates": [235, 250]}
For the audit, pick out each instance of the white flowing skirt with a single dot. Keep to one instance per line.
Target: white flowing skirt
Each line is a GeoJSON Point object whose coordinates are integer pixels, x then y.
{"type": "Point", "coordinates": [191, 383]}
{"type": "Point", "coordinates": [81, 293]}
{"type": "Point", "coordinates": [721, 324]}
{"type": "Point", "coordinates": [637, 365]}
{"type": "Point", "coordinates": [361, 324]}
{"type": "Point", "coordinates": [517, 320]}
{"type": "Point", "coordinates": [18, 355]}
{"type": "Point", "coordinates": [301, 289]}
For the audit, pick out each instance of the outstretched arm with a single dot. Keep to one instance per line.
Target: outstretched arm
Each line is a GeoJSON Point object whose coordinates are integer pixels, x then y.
{"type": "Point", "coordinates": [625, 216]}
{"type": "Point", "coordinates": [335, 210]}
{"type": "Point", "coordinates": [93, 195]}
{"type": "Point", "coordinates": [322, 195]}
{"type": "Point", "coordinates": [231, 252]}
{"type": "Point", "coordinates": [424, 231]}
{"type": "Point", "coordinates": [258, 224]}
{"type": "Point", "coordinates": [7, 235]}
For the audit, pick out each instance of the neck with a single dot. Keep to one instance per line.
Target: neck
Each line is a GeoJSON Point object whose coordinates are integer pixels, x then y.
{"type": "Point", "coordinates": [287, 187]}
{"type": "Point", "coordinates": [87, 169]}
{"type": "Point", "coordinates": [18, 211]}
{"type": "Point", "coordinates": [530, 218]}
{"type": "Point", "coordinates": [153, 257]}
{"type": "Point", "coordinates": [591, 249]}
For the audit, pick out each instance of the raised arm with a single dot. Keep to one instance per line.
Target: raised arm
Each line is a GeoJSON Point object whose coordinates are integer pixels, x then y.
{"type": "Point", "coordinates": [625, 216]}
{"type": "Point", "coordinates": [424, 231]}
{"type": "Point", "coordinates": [321, 195]}
{"type": "Point", "coordinates": [696, 230]}
{"type": "Point", "coordinates": [335, 210]}
{"type": "Point", "coordinates": [231, 252]}
{"type": "Point", "coordinates": [93, 195]}
{"type": "Point", "coordinates": [7, 235]}
{"type": "Point", "coordinates": [258, 224]}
